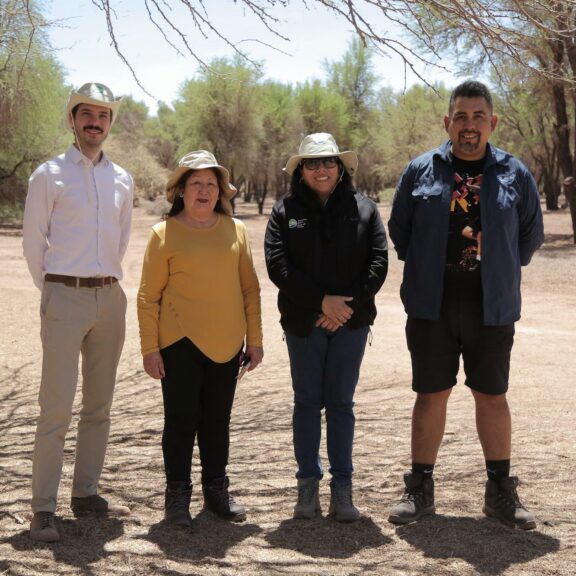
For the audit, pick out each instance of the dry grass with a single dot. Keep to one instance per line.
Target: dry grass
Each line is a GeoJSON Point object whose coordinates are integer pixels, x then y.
{"type": "Point", "coordinates": [459, 541]}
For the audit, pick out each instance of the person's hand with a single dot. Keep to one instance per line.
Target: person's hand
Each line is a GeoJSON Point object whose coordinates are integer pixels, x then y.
{"type": "Point", "coordinates": [336, 309]}
{"type": "Point", "coordinates": [154, 365]}
{"type": "Point", "coordinates": [325, 322]}
{"type": "Point", "coordinates": [256, 354]}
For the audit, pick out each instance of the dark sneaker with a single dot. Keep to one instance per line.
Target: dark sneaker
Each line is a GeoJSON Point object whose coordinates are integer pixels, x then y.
{"type": "Point", "coordinates": [308, 505]}
{"type": "Point", "coordinates": [417, 501]}
{"type": "Point", "coordinates": [503, 503]}
{"type": "Point", "coordinates": [217, 499]}
{"type": "Point", "coordinates": [177, 504]}
{"type": "Point", "coordinates": [95, 505]}
{"type": "Point", "coordinates": [43, 528]}
{"type": "Point", "coordinates": [341, 507]}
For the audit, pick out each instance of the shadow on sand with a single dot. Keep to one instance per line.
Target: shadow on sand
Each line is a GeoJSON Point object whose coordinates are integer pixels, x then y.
{"type": "Point", "coordinates": [209, 537]}
{"type": "Point", "coordinates": [485, 544]}
{"type": "Point", "coordinates": [322, 537]}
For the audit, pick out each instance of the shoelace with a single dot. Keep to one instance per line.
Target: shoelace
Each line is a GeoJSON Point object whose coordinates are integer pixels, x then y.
{"type": "Point", "coordinates": [222, 495]}
{"type": "Point", "coordinates": [509, 499]}
{"type": "Point", "coordinates": [344, 496]}
{"type": "Point", "coordinates": [46, 520]}
{"type": "Point", "coordinates": [305, 493]}
{"type": "Point", "coordinates": [416, 497]}
{"type": "Point", "coordinates": [180, 498]}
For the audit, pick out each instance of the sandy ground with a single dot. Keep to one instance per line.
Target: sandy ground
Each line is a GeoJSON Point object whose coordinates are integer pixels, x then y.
{"type": "Point", "coordinates": [458, 541]}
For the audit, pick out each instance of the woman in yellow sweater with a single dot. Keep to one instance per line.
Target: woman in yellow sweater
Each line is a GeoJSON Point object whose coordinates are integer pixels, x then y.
{"type": "Point", "coordinates": [198, 304]}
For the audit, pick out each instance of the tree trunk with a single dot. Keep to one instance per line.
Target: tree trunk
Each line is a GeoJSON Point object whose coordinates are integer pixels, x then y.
{"type": "Point", "coordinates": [570, 193]}
{"type": "Point", "coordinates": [551, 192]}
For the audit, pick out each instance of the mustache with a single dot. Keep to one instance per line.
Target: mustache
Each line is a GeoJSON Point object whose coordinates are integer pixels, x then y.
{"type": "Point", "coordinates": [93, 128]}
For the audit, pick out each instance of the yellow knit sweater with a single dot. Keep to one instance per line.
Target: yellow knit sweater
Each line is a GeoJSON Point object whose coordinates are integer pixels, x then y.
{"type": "Point", "coordinates": [199, 283]}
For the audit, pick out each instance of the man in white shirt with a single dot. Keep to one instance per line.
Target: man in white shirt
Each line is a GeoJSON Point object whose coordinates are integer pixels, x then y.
{"type": "Point", "coordinates": [76, 228]}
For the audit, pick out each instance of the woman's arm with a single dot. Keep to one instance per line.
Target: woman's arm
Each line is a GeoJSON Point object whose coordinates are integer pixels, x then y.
{"type": "Point", "coordinates": [155, 272]}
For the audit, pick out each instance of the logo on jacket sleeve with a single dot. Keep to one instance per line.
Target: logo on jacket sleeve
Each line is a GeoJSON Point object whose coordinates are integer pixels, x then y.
{"type": "Point", "coordinates": [293, 223]}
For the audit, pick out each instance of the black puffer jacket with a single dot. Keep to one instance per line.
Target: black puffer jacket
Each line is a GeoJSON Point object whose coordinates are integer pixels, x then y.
{"type": "Point", "coordinates": [336, 249]}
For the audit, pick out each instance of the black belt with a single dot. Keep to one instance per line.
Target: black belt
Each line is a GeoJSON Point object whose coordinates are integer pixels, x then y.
{"type": "Point", "coordinates": [75, 282]}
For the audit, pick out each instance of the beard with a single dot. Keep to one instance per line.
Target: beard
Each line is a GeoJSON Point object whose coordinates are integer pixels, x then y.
{"type": "Point", "coordinates": [469, 145]}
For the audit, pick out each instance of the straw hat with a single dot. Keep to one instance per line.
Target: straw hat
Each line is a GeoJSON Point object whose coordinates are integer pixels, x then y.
{"type": "Point", "coordinates": [200, 160]}
{"type": "Point", "coordinates": [96, 95]}
{"type": "Point", "coordinates": [322, 145]}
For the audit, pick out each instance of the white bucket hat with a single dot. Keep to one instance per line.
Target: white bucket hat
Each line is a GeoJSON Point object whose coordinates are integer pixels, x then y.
{"type": "Point", "coordinates": [200, 160]}
{"type": "Point", "coordinates": [322, 145]}
{"type": "Point", "coordinates": [95, 94]}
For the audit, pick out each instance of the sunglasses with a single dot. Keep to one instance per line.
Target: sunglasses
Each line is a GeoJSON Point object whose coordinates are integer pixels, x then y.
{"type": "Point", "coordinates": [314, 163]}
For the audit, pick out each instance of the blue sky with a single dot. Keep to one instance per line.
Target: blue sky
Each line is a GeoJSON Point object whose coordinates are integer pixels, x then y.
{"type": "Point", "coordinates": [83, 46]}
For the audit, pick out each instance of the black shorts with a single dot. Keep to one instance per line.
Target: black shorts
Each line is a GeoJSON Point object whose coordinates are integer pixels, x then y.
{"type": "Point", "coordinates": [436, 345]}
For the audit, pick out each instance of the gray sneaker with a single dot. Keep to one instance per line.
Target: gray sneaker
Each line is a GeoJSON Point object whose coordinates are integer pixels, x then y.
{"type": "Point", "coordinates": [341, 507]}
{"type": "Point", "coordinates": [417, 501]}
{"type": "Point", "coordinates": [502, 502]}
{"type": "Point", "coordinates": [43, 528]}
{"type": "Point", "coordinates": [308, 505]}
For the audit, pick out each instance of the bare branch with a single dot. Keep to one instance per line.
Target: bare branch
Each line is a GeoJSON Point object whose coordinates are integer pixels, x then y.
{"type": "Point", "coordinates": [510, 29]}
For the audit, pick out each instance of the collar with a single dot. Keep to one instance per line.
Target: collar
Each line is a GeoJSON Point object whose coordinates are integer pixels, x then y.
{"type": "Point", "coordinates": [493, 155]}
{"type": "Point", "coordinates": [77, 157]}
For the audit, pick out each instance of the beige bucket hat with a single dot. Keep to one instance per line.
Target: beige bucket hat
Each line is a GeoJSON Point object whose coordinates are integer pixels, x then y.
{"type": "Point", "coordinates": [322, 145]}
{"type": "Point", "coordinates": [200, 160]}
{"type": "Point", "coordinates": [95, 94]}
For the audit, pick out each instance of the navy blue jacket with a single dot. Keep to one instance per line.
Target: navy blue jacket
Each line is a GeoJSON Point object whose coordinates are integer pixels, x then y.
{"type": "Point", "coordinates": [313, 250]}
{"type": "Point", "coordinates": [512, 230]}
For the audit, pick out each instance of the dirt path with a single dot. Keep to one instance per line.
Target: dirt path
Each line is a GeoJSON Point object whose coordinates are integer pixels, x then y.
{"type": "Point", "coordinates": [457, 542]}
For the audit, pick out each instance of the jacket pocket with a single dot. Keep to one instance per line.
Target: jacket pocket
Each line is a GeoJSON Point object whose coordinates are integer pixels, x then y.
{"type": "Point", "coordinates": [425, 191]}
{"type": "Point", "coordinates": [508, 195]}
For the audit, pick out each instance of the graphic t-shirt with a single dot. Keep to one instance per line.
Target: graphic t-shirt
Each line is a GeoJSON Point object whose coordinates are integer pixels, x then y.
{"type": "Point", "coordinates": [464, 250]}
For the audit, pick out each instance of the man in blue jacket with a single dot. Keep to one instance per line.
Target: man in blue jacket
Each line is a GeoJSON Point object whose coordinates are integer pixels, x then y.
{"type": "Point", "coordinates": [465, 218]}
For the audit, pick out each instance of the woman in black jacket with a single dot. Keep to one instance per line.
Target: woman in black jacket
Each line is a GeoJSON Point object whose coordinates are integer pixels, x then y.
{"type": "Point", "coordinates": [326, 251]}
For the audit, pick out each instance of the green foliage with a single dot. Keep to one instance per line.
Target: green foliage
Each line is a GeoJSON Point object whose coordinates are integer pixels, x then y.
{"type": "Point", "coordinates": [353, 78]}
{"type": "Point", "coordinates": [322, 110]}
{"type": "Point", "coordinates": [149, 175]}
{"type": "Point", "coordinates": [413, 124]}
{"type": "Point", "coordinates": [220, 111]}
{"type": "Point", "coordinates": [281, 128]}
{"type": "Point", "coordinates": [132, 119]}
{"type": "Point", "coordinates": [162, 136]}
{"type": "Point", "coordinates": [253, 126]}
{"type": "Point", "coordinates": [32, 97]}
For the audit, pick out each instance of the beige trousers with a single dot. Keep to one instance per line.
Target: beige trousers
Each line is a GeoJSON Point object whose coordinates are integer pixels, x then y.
{"type": "Point", "coordinates": [74, 321]}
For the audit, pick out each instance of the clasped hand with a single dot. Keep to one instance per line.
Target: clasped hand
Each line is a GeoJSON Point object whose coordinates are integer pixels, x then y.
{"type": "Point", "coordinates": [335, 312]}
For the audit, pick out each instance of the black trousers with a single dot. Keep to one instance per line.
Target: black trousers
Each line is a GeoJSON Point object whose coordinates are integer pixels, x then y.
{"type": "Point", "coordinates": [198, 396]}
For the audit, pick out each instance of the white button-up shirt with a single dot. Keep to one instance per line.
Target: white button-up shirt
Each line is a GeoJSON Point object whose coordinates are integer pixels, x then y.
{"type": "Point", "coordinates": [77, 217]}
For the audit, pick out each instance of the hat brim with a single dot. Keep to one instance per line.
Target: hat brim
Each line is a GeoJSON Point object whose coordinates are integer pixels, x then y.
{"type": "Point", "coordinates": [348, 158]}
{"type": "Point", "coordinates": [228, 190]}
{"type": "Point", "coordinates": [76, 98]}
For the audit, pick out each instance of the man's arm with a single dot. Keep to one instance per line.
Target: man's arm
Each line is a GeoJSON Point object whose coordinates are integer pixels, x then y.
{"type": "Point", "coordinates": [531, 225]}
{"type": "Point", "coordinates": [400, 222]}
{"type": "Point", "coordinates": [126, 219]}
{"type": "Point", "coordinates": [36, 225]}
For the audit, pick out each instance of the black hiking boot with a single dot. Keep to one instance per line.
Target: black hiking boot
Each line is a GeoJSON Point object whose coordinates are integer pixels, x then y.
{"type": "Point", "coordinates": [417, 501]}
{"type": "Point", "coordinates": [502, 502]}
{"type": "Point", "coordinates": [308, 504]}
{"type": "Point", "coordinates": [342, 508]}
{"type": "Point", "coordinates": [177, 504]}
{"type": "Point", "coordinates": [218, 500]}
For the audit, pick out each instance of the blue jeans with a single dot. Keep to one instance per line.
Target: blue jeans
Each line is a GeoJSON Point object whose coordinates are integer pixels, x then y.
{"type": "Point", "coordinates": [325, 367]}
